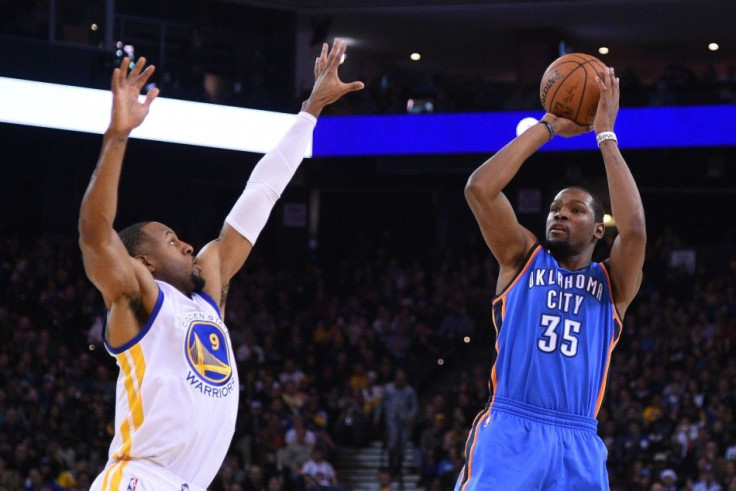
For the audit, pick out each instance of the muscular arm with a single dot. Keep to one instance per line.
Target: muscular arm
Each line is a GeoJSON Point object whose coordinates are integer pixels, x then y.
{"type": "Point", "coordinates": [627, 252]}
{"type": "Point", "coordinates": [222, 258]}
{"type": "Point", "coordinates": [507, 239]}
{"type": "Point", "coordinates": [106, 261]}
{"type": "Point", "coordinates": [126, 287]}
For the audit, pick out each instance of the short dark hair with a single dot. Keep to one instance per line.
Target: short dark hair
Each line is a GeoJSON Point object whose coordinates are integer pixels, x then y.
{"type": "Point", "coordinates": [133, 238]}
{"type": "Point", "coordinates": [598, 209]}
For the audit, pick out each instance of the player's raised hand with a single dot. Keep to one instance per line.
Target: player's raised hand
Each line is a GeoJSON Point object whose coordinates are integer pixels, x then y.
{"type": "Point", "coordinates": [605, 115]}
{"type": "Point", "coordinates": [128, 111]}
{"type": "Point", "coordinates": [327, 84]}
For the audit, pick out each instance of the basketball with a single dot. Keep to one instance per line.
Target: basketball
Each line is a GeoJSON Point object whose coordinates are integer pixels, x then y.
{"type": "Point", "coordinates": [569, 89]}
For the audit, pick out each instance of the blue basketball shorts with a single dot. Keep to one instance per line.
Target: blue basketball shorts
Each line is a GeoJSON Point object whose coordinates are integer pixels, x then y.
{"type": "Point", "coordinates": [514, 446]}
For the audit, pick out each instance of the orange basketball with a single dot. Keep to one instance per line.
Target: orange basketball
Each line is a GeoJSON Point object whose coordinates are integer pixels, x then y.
{"type": "Point", "coordinates": [569, 89]}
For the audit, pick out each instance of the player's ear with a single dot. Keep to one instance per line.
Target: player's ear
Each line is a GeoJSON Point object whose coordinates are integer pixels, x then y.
{"type": "Point", "coordinates": [600, 231]}
{"type": "Point", "coordinates": [145, 261]}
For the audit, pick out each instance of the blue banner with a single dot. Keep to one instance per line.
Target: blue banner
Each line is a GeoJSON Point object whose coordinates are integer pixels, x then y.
{"type": "Point", "coordinates": [636, 128]}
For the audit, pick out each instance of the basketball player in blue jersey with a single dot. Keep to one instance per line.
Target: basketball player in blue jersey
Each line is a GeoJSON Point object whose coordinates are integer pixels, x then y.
{"type": "Point", "coordinates": [177, 392]}
{"type": "Point", "coordinates": [557, 316]}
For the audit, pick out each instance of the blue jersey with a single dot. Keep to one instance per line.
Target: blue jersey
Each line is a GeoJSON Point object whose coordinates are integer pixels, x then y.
{"type": "Point", "coordinates": [555, 331]}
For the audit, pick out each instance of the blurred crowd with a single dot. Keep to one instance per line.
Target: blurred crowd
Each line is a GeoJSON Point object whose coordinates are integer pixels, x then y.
{"type": "Point", "coordinates": [679, 83]}
{"type": "Point", "coordinates": [314, 354]}
{"type": "Point", "coordinates": [320, 349]}
{"type": "Point", "coordinates": [395, 92]}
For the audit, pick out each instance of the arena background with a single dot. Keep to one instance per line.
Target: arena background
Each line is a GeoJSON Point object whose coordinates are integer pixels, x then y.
{"type": "Point", "coordinates": [356, 238]}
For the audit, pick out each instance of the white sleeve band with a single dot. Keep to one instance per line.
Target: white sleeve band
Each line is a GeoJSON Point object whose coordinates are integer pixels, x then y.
{"type": "Point", "coordinates": [269, 179]}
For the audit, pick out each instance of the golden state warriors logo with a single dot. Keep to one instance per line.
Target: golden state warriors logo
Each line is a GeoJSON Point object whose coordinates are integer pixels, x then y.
{"type": "Point", "coordinates": [207, 352]}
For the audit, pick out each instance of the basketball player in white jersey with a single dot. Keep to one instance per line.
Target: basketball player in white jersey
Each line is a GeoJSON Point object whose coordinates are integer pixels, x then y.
{"type": "Point", "coordinates": [177, 392]}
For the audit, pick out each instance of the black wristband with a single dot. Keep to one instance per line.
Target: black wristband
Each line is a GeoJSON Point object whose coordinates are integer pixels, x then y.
{"type": "Point", "coordinates": [549, 127]}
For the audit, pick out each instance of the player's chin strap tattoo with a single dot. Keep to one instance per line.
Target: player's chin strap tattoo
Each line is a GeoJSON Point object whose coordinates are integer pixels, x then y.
{"type": "Point", "coordinates": [269, 179]}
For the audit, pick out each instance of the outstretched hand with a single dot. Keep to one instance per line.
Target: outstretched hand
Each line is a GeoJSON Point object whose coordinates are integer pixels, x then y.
{"type": "Point", "coordinates": [605, 115]}
{"type": "Point", "coordinates": [328, 87]}
{"type": "Point", "coordinates": [128, 111]}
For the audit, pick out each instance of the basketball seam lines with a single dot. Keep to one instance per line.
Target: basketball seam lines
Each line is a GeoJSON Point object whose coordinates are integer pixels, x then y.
{"type": "Point", "coordinates": [562, 81]}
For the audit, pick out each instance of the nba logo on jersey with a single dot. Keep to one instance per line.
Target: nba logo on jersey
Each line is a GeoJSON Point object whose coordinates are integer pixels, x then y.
{"type": "Point", "coordinates": [132, 484]}
{"type": "Point", "coordinates": [207, 352]}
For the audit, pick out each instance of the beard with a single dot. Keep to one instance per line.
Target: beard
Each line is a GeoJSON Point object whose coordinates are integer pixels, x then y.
{"type": "Point", "coordinates": [197, 282]}
{"type": "Point", "coordinates": [559, 248]}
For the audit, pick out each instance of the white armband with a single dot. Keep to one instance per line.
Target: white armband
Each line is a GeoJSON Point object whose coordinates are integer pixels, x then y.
{"type": "Point", "coordinates": [269, 179]}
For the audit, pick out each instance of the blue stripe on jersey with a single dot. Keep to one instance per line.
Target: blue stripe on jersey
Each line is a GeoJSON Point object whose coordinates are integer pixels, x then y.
{"type": "Point", "coordinates": [556, 329]}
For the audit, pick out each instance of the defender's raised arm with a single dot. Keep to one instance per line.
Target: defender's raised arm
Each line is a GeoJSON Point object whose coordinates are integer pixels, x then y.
{"type": "Point", "coordinates": [224, 257]}
{"type": "Point", "coordinates": [106, 261]}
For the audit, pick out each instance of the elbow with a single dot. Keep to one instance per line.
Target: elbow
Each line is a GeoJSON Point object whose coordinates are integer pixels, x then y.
{"type": "Point", "coordinates": [473, 189]}
{"type": "Point", "coordinates": [481, 188]}
{"type": "Point", "coordinates": [470, 191]}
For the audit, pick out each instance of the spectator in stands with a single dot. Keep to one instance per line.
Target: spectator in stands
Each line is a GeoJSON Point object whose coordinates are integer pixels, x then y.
{"type": "Point", "coordinates": [384, 482]}
{"type": "Point", "coordinates": [431, 447]}
{"type": "Point", "coordinates": [669, 480]}
{"type": "Point", "coordinates": [318, 474]}
{"type": "Point", "coordinates": [398, 407]}
{"type": "Point", "coordinates": [706, 478]}
{"type": "Point", "coordinates": [255, 480]}
{"type": "Point", "coordinates": [298, 449]}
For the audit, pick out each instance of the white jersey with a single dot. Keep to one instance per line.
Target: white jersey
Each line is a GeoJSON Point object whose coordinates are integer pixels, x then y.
{"type": "Point", "coordinates": [177, 394]}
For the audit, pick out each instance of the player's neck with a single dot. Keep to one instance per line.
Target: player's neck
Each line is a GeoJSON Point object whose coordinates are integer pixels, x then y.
{"type": "Point", "coordinates": [568, 257]}
{"type": "Point", "coordinates": [183, 288]}
{"type": "Point", "coordinates": [574, 262]}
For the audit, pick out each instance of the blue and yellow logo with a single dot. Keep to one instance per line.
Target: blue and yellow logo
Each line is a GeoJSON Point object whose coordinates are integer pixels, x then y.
{"type": "Point", "coordinates": [208, 353]}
